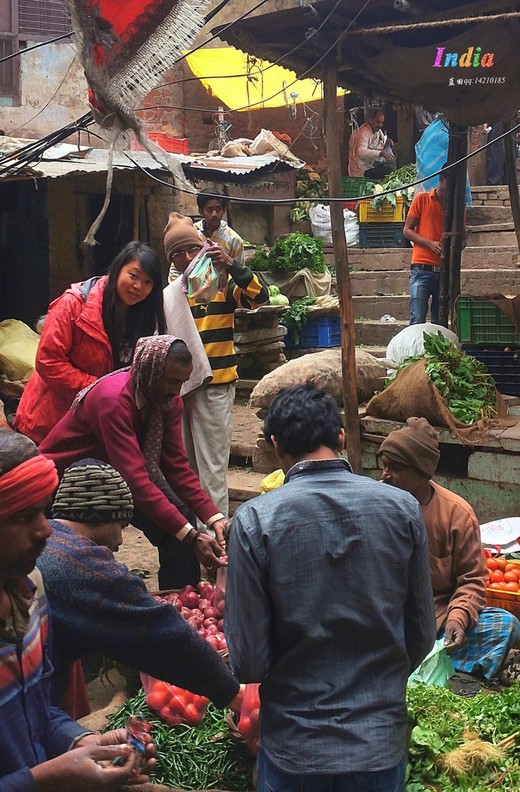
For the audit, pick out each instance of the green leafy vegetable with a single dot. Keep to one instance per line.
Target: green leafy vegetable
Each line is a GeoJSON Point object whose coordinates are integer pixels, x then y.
{"type": "Point", "coordinates": [296, 316]}
{"type": "Point", "coordinates": [274, 291]}
{"type": "Point", "coordinates": [295, 252]}
{"type": "Point", "coordinates": [465, 383]}
{"type": "Point", "coordinates": [200, 757]}
{"type": "Point", "coordinates": [445, 721]}
{"type": "Point", "coordinates": [258, 261]}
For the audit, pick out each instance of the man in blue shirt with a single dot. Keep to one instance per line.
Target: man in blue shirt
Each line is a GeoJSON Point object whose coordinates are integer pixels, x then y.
{"type": "Point", "coordinates": [329, 606]}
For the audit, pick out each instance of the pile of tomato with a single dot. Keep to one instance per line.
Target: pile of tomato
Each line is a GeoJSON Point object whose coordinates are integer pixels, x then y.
{"type": "Point", "coordinates": [174, 704]}
{"type": "Point", "coordinates": [504, 575]}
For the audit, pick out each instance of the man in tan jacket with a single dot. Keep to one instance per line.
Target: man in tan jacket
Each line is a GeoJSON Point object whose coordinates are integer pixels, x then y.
{"type": "Point", "coordinates": [477, 638]}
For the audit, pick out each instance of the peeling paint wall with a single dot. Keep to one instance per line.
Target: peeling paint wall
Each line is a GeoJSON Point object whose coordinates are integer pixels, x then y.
{"type": "Point", "coordinates": [53, 92]}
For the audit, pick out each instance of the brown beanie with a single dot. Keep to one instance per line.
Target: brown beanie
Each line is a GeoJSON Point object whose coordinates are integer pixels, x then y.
{"type": "Point", "coordinates": [415, 445]}
{"type": "Point", "coordinates": [179, 231]}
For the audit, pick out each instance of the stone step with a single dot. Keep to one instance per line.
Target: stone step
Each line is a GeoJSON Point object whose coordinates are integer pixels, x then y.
{"type": "Point", "coordinates": [372, 332]}
{"type": "Point", "coordinates": [486, 256]}
{"type": "Point", "coordinates": [478, 215]}
{"type": "Point", "coordinates": [376, 306]}
{"type": "Point", "coordinates": [496, 195]}
{"type": "Point", "coordinates": [375, 258]}
{"type": "Point", "coordinates": [473, 281]}
{"type": "Point", "coordinates": [474, 256]}
{"type": "Point", "coordinates": [491, 234]}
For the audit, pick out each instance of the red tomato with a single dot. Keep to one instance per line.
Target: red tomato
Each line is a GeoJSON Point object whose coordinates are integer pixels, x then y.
{"type": "Point", "coordinates": [491, 563]}
{"type": "Point", "coordinates": [177, 705]}
{"type": "Point", "coordinates": [497, 586]}
{"type": "Point", "coordinates": [244, 726]}
{"type": "Point", "coordinates": [157, 699]}
{"type": "Point", "coordinates": [512, 585]}
{"type": "Point", "coordinates": [496, 576]}
{"type": "Point", "coordinates": [501, 563]}
{"type": "Point", "coordinates": [510, 576]}
{"type": "Point", "coordinates": [192, 715]}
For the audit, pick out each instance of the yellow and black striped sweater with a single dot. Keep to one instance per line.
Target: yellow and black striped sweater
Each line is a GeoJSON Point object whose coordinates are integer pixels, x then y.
{"type": "Point", "coordinates": [216, 321]}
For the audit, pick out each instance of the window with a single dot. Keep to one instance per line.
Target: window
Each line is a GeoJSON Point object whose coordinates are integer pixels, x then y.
{"type": "Point", "coordinates": [24, 21]}
{"type": "Point", "coordinates": [42, 19]}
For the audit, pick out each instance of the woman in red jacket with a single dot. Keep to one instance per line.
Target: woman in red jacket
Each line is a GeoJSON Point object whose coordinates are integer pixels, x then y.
{"type": "Point", "coordinates": [89, 331]}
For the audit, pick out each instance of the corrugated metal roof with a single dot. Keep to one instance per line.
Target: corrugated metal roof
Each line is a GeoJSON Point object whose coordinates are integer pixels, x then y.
{"type": "Point", "coordinates": [66, 159]}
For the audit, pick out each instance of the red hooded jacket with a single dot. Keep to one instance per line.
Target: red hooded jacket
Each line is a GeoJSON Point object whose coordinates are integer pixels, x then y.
{"type": "Point", "coordinates": [74, 350]}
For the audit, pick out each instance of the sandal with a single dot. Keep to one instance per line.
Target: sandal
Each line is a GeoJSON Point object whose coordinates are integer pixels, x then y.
{"type": "Point", "coordinates": [464, 685]}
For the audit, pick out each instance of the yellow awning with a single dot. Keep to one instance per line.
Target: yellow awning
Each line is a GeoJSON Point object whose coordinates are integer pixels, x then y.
{"type": "Point", "coordinates": [259, 84]}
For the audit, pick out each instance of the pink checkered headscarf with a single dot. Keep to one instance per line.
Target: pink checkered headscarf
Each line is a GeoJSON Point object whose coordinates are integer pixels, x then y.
{"type": "Point", "coordinates": [148, 377]}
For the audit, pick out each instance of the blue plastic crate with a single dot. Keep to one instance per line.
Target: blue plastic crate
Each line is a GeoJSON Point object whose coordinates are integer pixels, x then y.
{"type": "Point", "coordinates": [503, 366]}
{"type": "Point", "coordinates": [322, 332]}
{"type": "Point", "coordinates": [382, 235]}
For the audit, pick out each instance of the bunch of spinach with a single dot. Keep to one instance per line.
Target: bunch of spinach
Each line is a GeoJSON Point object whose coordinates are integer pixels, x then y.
{"type": "Point", "coordinates": [295, 317]}
{"type": "Point", "coordinates": [295, 252]}
{"type": "Point", "coordinates": [445, 721]}
{"type": "Point", "coordinates": [465, 383]}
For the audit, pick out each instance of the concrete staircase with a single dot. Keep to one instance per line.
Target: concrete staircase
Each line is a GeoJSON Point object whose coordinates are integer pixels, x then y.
{"type": "Point", "coordinates": [379, 277]}
{"type": "Point", "coordinates": [490, 263]}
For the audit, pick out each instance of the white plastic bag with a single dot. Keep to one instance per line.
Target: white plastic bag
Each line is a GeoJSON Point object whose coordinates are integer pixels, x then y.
{"type": "Point", "coordinates": [410, 341]}
{"type": "Point", "coordinates": [321, 225]}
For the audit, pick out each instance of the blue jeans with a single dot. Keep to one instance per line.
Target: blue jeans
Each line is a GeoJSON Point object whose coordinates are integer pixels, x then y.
{"type": "Point", "coordinates": [271, 779]}
{"type": "Point", "coordinates": [424, 283]}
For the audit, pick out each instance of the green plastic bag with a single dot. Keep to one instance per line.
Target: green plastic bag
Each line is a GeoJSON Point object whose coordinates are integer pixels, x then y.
{"type": "Point", "coordinates": [203, 280]}
{"type": "Point", "coordinates": [435, 669]}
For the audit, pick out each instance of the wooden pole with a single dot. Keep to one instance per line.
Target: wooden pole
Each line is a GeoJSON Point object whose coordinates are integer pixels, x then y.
{"type": "Point", "coordinates": [348, 338]}
{"type": "Point", "coordinates": [512, 180]}
{"type": "Point", "coordinates": [457, 225]}
{"type": "Point", "coordinates": [453, 223]}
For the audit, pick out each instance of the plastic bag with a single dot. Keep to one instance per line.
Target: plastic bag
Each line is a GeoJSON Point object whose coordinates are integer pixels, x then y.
{"type": "Point", "coordinates": [203, 279]}
{"type": "Point", "coordinates": [321, 225]}
{"type": "Point", "coordinates": [249, 722]}
{"type": "Point", "coordinates": [18, 345]}
{"type": "Point", "coordinates": [410, 341]}
{"type": "Point", "coordinates": [435, 669]}
{"type": "Point", "coordinates": [272, 481]}
{"type": "Point", "coordinates": [173, 704]}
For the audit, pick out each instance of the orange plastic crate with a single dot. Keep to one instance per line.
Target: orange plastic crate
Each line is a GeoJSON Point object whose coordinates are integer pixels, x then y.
{"type": "Point", "coordinates": [170, 144]}
{"type": "Point", "coordinates": [385, 213]}
{"type": "Point", "coordinates": [508, 600]}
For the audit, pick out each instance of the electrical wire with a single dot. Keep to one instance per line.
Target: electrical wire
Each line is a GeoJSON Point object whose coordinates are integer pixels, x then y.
{"type": "Point", "coordinates": [47, 103]}
{"type": "Point", "coordinates": [326, 198]}
{"type": "Point", "coordinates": [36, 46]}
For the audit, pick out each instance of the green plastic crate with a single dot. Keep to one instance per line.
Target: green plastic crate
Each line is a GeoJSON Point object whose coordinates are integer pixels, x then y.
{"type": "Point", "coordinates": [354, 186]}
{"type": "Point", "coordinates": [480, 322]}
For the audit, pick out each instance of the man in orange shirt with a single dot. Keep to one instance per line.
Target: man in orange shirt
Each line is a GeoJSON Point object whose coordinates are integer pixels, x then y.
{"type": "Point", "coordinates": [424, 227]}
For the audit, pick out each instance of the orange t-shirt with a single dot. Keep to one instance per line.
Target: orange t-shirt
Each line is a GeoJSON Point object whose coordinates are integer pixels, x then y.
{"type": "Point", "coordinates": [430, 214]}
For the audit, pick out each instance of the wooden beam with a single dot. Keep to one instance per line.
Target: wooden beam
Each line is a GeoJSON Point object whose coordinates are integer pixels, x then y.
{"type": "Point", "coordinates": [512, 179]}
{"type": "Point", "coordinates": [348, 338]}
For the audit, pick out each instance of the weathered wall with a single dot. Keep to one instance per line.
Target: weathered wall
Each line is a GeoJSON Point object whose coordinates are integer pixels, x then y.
{"type": "Point", "coordinates": [53, 92]}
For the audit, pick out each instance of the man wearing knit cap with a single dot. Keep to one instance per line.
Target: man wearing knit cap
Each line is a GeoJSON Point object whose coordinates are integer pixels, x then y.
{"type": "Point", "coordinates": [208, 330]}
{"type": "Point", "coordinates": [477, 638]}
{"type": "Point", "coordinates": [97, 605]}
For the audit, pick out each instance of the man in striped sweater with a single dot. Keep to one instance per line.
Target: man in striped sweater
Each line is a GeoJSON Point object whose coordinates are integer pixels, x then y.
{"type": "Point", "coordinates": [41, 748]}
{"type": "Point", "coordinates": [208, 409]}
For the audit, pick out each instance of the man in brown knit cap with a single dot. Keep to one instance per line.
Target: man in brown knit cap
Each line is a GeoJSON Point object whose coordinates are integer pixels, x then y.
{"type": "Point", "coordinates": [208, 330]}
{"type": "Point", "coordinates": [477, 638]}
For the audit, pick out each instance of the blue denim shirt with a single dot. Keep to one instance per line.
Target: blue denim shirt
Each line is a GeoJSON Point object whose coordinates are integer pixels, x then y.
{"type": "Point", "coordinates": [329, 605]}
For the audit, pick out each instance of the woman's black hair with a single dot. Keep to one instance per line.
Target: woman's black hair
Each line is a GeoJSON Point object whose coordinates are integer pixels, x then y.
{"type": "Point", "coordinates": [143, 319]}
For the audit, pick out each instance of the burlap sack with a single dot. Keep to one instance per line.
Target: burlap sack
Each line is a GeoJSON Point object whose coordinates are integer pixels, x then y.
{"type": "Point", "coordinates": [413, 394]}
{"type": "Point", "coordinates": [323, 370]}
